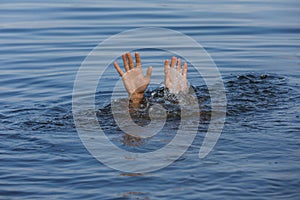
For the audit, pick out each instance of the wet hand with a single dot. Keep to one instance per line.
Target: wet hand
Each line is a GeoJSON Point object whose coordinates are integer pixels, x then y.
{"type": "Point", "coordinates": [134, 80]}
{"type": "Point", "coordinates": [175, 76]}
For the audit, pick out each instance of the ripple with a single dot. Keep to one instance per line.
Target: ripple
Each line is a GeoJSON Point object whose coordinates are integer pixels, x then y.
{"type": "Point", "coordinates": [42, 47]}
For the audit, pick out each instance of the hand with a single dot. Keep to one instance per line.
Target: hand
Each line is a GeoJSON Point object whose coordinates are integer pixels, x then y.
{"type": "Point", "coordinates": [133, 79]}
{"type": "Point", "coordinates": [175, 77]}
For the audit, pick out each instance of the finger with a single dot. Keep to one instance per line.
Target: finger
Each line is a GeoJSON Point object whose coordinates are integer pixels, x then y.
{"type": "Point", "coordinates": [149, 72]}
{"type": "Point", "coordinates": [166, 66]}
{"type": "Point", "coordinates": [118, 68]}
{"type": "Point", "coordinates": [131, 65]}
{"type": "Point", "coordinates": [173, 61]}
{"type": "Point", "coordinates": [178, 64]}
{"type": "Point", "coordinates": [137, 59]}
{"type": "Point", "coordinates": [185, 67]}
{"type": "Point", "coordinates": [125, 62]}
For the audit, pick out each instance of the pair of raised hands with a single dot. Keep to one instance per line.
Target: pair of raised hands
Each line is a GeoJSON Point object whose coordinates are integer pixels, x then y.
{"type": "Point", "coordinates": [136, 83]}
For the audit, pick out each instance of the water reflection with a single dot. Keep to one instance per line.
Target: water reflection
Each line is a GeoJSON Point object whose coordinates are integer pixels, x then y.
{"type": "Point", "coordinates": [130, 140]}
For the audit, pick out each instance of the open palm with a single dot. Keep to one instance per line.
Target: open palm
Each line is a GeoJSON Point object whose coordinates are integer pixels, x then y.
{"type": "Point", "coordinates": [175, 76]}
{"type": "Point", "coordinates": [134, 80]}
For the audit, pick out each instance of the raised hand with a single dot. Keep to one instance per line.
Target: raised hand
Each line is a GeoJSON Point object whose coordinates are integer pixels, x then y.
{"type": "Point", "coordinates": [175, 76]}
{"type": "Point", "coordinates": [134, 80]}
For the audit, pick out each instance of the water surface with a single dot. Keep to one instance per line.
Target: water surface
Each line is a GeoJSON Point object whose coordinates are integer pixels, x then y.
{"type": "Point", "coordinates": [256, 47]}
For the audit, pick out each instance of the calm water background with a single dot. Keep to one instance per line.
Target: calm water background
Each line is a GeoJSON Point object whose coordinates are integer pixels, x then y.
{"type": "Point", "coordinates": [256, 46]}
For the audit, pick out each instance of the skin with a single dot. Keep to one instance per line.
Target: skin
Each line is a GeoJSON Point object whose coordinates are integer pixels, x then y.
{"type": "Point", "coordinates": [176, 83]}
{"type": "Point", "coordinates": [134, 80]}
{"type": "Point", "coordinates": [136, 83]}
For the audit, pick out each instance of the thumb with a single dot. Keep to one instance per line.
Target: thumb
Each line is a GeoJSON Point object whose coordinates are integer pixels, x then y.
{"type": "Point", "coordinates": [166, 65]}
{"type": "Point", "coordinates": [149, 72]}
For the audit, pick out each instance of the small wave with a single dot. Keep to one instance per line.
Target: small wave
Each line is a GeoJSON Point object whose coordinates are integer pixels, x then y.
{"type": "Point", "coordinates": [253, 92]}
{"type": "Point", "coordinates": [246, 93]}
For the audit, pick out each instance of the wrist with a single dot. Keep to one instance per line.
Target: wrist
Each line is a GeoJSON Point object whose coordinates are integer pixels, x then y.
{"type": "Point", "coordinates": [136, 97]}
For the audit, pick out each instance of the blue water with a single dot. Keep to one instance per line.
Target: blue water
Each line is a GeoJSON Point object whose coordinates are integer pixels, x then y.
{"type": "Point", "coordinates": [255, 45]}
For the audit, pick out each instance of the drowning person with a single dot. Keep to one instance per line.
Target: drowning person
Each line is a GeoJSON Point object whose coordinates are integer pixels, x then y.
{"type": "Point", "coordinates": [176, 87]}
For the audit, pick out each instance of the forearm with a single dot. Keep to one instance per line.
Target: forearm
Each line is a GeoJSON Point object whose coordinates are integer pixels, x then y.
{"type": "Point", "coordinates": [136, 99]}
